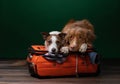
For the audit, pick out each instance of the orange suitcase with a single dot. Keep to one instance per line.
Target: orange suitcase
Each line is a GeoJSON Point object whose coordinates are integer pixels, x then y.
{"type": "Point", "coordinates": [75, 64]}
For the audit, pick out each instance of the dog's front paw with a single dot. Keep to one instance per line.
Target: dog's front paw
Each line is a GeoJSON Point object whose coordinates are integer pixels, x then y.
{"type": "Point", "coordinates": [64, 50]}
{"type": "Point", "coordinates": [83, 48]}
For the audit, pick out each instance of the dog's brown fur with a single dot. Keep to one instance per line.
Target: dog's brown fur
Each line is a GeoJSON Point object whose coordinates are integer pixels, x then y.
{"type": "Point", "coordinates": [81, 31]}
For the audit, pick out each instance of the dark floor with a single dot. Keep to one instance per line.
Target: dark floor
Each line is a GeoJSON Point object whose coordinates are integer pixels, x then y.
{"type": "Point", "coordinates": [19, 75]}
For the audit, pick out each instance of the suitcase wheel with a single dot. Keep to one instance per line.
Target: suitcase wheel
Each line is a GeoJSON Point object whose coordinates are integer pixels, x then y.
{"type": "Point", "coordinates": [31, 70]}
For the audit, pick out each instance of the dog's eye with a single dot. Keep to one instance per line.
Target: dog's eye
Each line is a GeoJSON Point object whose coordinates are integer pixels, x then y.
{"type": "Point", "coordinates": [80, 37]}
{"type": "Point", "coordinates": [57, 42]}
{"type": "Point", "coordinates": [49, 41]}
{"type": "Point", "coordinates": [71, 37]}
{"type": "Point", "coordinates": [67, 42]}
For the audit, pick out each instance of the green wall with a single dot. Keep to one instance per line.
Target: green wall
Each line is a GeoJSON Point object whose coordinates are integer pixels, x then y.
{"type": "Point", "coordinates": [21, 22]}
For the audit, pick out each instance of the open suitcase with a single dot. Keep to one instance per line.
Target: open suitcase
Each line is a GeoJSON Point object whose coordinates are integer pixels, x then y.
{"type": "Point", "coordinates": [75, 64]}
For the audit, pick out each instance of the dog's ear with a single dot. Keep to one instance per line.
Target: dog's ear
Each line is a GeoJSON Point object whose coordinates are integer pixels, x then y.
{"type": "Point", "coordinates": [62, 35]}
{"type": "Point", "coordinates": [70, 21]}
{"type": "Point", "coordinates": [90, 36]}
{"type": "Point", "coordinates": [45, 35]}
{"type": "Point", "coordinates": [86, 24]}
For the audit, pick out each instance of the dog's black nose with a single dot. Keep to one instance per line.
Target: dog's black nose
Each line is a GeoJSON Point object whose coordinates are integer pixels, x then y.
{"type": "Point", "coordinates": [53, 50]}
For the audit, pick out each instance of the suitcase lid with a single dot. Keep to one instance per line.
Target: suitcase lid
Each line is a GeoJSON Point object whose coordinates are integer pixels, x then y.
{"type": "Point", "coordinates": [37, 49]}
{"type": "Point", "coordinates": [40, 49]}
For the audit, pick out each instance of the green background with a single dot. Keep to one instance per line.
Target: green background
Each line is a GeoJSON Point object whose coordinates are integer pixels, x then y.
{"type": "Point", "coordinates": [21, 22]}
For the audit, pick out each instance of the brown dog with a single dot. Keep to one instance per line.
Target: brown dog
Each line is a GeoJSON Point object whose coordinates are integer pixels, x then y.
{"type": "Point", "coordinates": [80, 35]}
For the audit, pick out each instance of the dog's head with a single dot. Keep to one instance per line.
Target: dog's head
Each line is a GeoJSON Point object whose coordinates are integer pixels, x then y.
{"type": "Point", "coordinates": [53, 41]}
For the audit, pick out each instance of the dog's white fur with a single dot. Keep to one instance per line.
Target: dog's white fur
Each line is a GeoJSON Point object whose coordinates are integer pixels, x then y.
{"type": "Point", "coordinates": [65, 49]}
{"type": "Point", "coordinates": [83, 47]}
{"type": "Point", "coordinates": [54, 32]}
{"type": "Point", "coordinates": [52, 45]}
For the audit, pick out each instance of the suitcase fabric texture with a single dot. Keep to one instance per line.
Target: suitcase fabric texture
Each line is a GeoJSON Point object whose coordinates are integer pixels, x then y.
{"type": "Point", "coordinates": [74, 64]}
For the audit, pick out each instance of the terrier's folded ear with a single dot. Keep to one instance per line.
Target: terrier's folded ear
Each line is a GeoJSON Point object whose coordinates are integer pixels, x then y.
{"type": "Point", "coordinates": [62, 35]}
{"type": "Point", "coordinates": [45, 35]}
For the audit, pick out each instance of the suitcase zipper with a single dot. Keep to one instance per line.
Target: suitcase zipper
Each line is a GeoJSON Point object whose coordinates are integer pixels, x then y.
{"type": "Point", "coordinates": [76, 70]}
